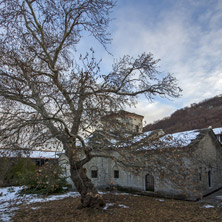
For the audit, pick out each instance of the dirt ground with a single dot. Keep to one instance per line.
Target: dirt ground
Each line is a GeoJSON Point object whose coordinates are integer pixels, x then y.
{"type": "Point", "coordinates": [125, 208]}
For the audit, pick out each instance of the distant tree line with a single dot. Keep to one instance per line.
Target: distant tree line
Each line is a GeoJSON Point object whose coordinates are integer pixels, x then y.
{"type": "Point", "coordinates": [201, 115]}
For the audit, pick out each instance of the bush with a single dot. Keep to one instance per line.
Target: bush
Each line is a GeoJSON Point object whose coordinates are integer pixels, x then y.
{"type": "Point", "coordinates": [47, 181]}
{"type": "Point", "coordinates": [15, 172]}
{"type": "Point", "coordinates": [4, 168]}
{"type": "Point", "coordinates": [21, 172]}
{"type": "Point", "coordinates": [41, 180]}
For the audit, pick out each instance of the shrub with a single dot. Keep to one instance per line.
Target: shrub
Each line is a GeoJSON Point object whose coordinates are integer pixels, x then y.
{"type": "Point", "coordinates": [41, 180]}
{"type": "Point", "coordinates": [4, 168]}
{"type": "Point", "coordinates": [47, 181]}
{"type": "Point", "coordinates": [21, 172]}
{"type": "Point", "coordinates": [15, 172]}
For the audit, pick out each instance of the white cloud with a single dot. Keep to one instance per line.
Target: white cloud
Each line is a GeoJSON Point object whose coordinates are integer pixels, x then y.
{"type": "Point", "coordinates": [188, 42]}
{"type": "Point", "coordinates": [152, 111]}
{"type": "Point", "coordinates": [185, 35]}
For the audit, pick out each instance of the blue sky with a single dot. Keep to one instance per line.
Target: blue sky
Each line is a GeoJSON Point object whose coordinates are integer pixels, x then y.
{"type": "Point", "coordinates": [185, 34]}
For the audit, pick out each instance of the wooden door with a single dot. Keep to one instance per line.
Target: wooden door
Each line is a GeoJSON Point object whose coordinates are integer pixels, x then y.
{"type": "Point", "coordinates": [149, 179]}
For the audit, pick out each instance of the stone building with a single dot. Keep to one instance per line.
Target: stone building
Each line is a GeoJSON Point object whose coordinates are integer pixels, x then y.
{"type": "Point", "coordinates": [185, 165]}
{"type": "Point", "coordinates": [37, 156]}
{"type": "Point", "coordinates": [14, 160]}
{"type": "Point", "coordinates": [123, 120]}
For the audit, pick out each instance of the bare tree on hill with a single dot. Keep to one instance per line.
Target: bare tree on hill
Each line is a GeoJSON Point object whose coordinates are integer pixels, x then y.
{"type": "Point", "coordinates": [46, 94]}
{"type": "Point", "coordinates": [197, 116]}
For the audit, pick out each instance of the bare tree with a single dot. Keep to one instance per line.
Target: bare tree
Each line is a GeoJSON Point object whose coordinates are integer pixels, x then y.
{"type": "Point", "coordinates": [47, 95]}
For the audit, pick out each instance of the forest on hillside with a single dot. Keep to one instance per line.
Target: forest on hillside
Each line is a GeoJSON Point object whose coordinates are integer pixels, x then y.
{"type": "Point", "coordinates": [196, 116]}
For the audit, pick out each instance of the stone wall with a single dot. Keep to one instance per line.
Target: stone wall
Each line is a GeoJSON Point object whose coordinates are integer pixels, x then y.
{"type": "Point", "coordinates": [181, 173]}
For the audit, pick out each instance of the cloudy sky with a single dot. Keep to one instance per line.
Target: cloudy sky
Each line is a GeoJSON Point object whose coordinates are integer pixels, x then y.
{"type": "Point", "coordinates": [185, 34]}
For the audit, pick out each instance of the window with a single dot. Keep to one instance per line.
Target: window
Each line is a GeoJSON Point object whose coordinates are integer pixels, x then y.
{"type": "Point", "coordinates": [39, 162]}
{"type": "Point", "coordinates": [94, 173]}
{"type": "Point", "coordinates": [209, 179]}
{"type": "Point", "coordinates": [42, 162]}
{"type": "Point", "coordinates": [116, 174]}
{"type": "Point", "coordinates": [200, 174]}
{"type": "Point", "coordinates": [137, 129]}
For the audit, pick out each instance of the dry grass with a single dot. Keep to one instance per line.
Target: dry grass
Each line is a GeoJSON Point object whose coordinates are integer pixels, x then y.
{"type": "Point", "coordinates": [141, 208]}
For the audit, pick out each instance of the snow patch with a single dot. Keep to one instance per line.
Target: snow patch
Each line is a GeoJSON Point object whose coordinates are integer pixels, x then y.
{"type": "Point", "coordinates": [108, 205]}
{"type": "Point", "coordinates": [161, 200]}
{"type": "Point", "coordinates": [141, 136]}
{"type": "Point", "coordinates": [29, 154]}
{"type": "Point", "coordinates": [115, 193]}
{"type": "Point", "coordinates": [123, 206]}
{"type": "Point", "coordinates": [208, 206]}
{"type": "Point", "coordinates": [217, 131]}
{"type": "Point", "coordinates": [35, 208]}
{"type": "Point", "coordinates": [10, 197]}
{"type": "Point", "coordinates": [181, 139]}
{"type": "Point", "coordinates": [112, 204]}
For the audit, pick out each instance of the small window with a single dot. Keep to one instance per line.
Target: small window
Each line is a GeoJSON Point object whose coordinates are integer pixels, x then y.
{"type": "Point", "coordinates": [39, 162]}
{"type": "Point", "coordinates": [200, 174]}
{"type": "Point", "coordinates": [137, 129]}
{"type": "Point", "coordinates": [209, 179]}
{"type": "Point", "coordinates": [94, 173]}
{"type": "Point", "coordinates": [42, 162]}
{"type": "Point", "coordinates": [116, 174]}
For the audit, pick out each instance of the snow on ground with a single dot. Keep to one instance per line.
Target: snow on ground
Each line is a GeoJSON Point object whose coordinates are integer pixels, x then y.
{"type": "Point", "coordinates": [208, 206]}
{"type": "Point", "coordinates": [108, 205]}
{"type": "Point", "coordinates": [161, 200]}
{"type": "Point", "coordinates": [115, 193]}
{"type": "Point", "coordinates": [123, 206]}
{"type": "Point", "coordinates": [118, 193]}
{"type": "Point", "coordinates": [112, 204]}
{"type": "Point", "coordinates": [10, 199]}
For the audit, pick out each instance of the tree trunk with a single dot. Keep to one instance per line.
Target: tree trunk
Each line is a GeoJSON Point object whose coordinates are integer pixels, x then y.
{"type": "Point", "coordinates": [89, 195]}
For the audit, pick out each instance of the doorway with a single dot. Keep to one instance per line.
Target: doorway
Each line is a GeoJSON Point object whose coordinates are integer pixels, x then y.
{"type": "Point", "coordinates": [149, 180]}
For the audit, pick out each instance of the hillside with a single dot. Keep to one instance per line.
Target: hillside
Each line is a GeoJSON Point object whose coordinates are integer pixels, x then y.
{"type": "Point", "coordinates": [198, 115]}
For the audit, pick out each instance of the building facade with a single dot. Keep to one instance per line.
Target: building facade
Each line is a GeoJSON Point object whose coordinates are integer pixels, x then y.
{"type": "Point", "coordinates": [186, 165]}
{"type": "Point", "coordinates": [184, 172]}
